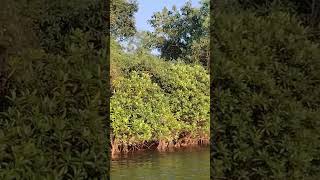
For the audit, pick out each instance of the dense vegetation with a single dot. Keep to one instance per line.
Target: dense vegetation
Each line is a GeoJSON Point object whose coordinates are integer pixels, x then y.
{"type": "Point", "coordinates": [162, 99]}
{"type": "Point", "coordinates": [265, 95]}
{"type": "Point", "coordinates": [182, 33]}
{"type": "Point", "coordinates": [155, 100]}
{"type": "Point", "coordinates": [265, 92]}
{"type": "Point", "coordinates": [53, 119]}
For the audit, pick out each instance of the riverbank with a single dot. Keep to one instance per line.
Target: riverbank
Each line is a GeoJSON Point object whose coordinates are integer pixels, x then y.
{"type": "Point", "coordinates": [121, 150]}
{"type": "Point", "coordinates": [157, 104]}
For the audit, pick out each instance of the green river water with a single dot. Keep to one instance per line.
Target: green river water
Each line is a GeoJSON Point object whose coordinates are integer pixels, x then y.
{"type": "Point", "coordinates": [188, 164]}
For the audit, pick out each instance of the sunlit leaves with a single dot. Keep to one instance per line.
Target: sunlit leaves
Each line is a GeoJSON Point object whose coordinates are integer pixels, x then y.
{"type": "Point", "coordinates": [158, 100]}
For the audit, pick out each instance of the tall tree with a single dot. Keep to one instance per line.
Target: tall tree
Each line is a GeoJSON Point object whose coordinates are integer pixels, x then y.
{"type": "Point", "coordinates": [176, 31]}
{"type": "Point", "coordinates": [122, 18]}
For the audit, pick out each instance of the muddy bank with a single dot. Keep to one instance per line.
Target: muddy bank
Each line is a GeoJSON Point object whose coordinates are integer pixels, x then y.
{"type": "Point", "coordinates": [120, 149]}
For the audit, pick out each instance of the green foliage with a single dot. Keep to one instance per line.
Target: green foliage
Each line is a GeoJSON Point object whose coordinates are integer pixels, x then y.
{"type": "Point", "coordinates": [177, 31]}
{"type": "Point", "coordinates": [200, 51]}
{"type": "Point", "coordinates": [54, 128]}
{"type": "Point", "coordinates": [308, 11]}
{"type": "Point", "coordinates": [139, 110]}
{"type": "Point", "coordinates": [122, 17]}
{"type": "Point", "coordinates": [139, 43]}
{"type": "Point", "coordinates": [49, 23]}
{"type": "Point", "coordinates": [187, 86]}
{"type": "Point", "coordinates": [158, 100]}
{"type": "Point", "coordinates": [58, 19]}
{"type": "Point", "coordinates": [266, 98]}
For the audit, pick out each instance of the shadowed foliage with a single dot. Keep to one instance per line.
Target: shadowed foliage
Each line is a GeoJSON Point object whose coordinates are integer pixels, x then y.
{"type": "Point", "coordinates": [54, 122]}
{"type": "Point", "coordinates": [265, 87]}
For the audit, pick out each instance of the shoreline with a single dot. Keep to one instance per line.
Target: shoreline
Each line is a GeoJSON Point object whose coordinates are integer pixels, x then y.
{"type": "Point", "coordinates": [120, 150]}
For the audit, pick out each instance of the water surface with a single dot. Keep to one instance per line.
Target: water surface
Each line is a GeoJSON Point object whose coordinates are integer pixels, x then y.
{"type": "Point", "coordinates": [178, 165]}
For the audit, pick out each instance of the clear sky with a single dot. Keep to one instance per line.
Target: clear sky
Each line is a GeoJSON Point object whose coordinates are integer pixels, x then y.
{"type": "Point", "coordinates": [148, 7]}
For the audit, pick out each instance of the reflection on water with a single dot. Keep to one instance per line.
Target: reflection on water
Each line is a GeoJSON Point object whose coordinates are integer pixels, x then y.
{"type": "Point", "coordinates": [183, 164]}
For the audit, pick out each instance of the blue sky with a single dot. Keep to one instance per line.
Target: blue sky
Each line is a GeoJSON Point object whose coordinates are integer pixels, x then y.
{"type": "Point", "coordinates": [148, 7]}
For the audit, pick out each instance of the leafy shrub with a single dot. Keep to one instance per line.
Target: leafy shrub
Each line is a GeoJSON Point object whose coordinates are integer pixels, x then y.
{"type": "Point", "coordinates": [49, 24]}
{"type": "Point", "coordinates": [188, 90]}
{"type": "Point", "coordinates": [164, 99]}
{"type": "Point", "coordinates": [140, 111]}
{"type": "Point", "coordinates": [266, 96]}
{"type": "Point", "coordinates": [54, 127]}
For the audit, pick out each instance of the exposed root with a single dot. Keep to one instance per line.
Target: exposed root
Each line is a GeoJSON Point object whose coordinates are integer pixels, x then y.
{"type": "Point", "coordinates": [185, 140]}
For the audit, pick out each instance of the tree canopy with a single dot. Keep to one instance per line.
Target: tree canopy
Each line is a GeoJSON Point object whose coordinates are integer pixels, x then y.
{"type": "Point", "coordinates": [122, 18]}
{"type": "Point", "coordinates": [181, 33]}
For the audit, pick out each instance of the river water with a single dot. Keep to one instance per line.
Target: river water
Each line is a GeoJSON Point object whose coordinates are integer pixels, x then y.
{"type": "Point", "coordinates": [187, 164]}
